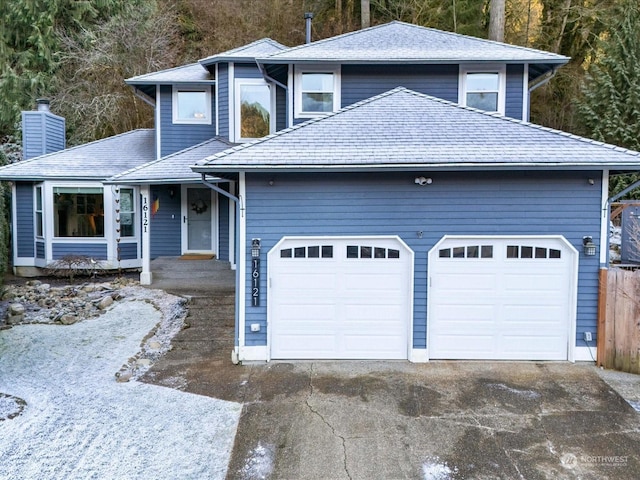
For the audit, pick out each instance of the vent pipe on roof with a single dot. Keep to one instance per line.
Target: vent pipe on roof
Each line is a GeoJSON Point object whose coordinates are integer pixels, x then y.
{"type": "Point", "coordinates": [308, 16]}
{"type": "Point", "coordinates": [42, 104]}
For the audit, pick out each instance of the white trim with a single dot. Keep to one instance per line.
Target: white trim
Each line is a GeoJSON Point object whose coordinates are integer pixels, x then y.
{"type": "Point", "coordinates": [500, 69]}
{"type": "Point", "coordinates": [585, 354]}
{"type": "Point", "coordinates": [216, 94]}
{"type": "Point", "coordinates": [184, 213]}
{"type": "Point", "coordinates": [418, 355]}
{"type": "Point", "coordinates": [299, 70]}
{"type": "Point", "coordinates": [107, 218]}
{"type": "Point", "coordinates": [242, 261]}
{"type": "Point", "coordinates": [290, 92]}
{"type": "Point", "coordinates": [239, 82]}
{"type": "Point", "coordinates": [526, 100]}
{"type": "Point", "coordinates": [146, 276]}
{"type": "Point", "coordinates": [573, 301]}
{"type": "Point", "coordinates": [158, 125]}
{"type": "Point", "coordinates": [231, 95]}
{"type": "Point", "coordinates": [191, 88]}
{"type": "Point", "coordinates": [232, 227]}
{"type": "Point", "coordinates": [604, 219]}
{"type": "Point", "coordinates": [274, 250]}
{"type": "Point", "coordinates": [253, 354]}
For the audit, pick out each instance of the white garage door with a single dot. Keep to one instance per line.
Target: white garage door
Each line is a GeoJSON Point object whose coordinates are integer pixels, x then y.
{"type": "Point", "coordinates": [501, 298]}
{"type": "Point", "coordinates": [340, 298]}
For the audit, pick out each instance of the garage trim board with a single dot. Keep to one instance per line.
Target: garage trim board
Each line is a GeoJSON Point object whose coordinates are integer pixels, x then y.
{"type": "Point", "coordinates": [502, 298]}
{"type": "Point", "coordinates": [340, 297]}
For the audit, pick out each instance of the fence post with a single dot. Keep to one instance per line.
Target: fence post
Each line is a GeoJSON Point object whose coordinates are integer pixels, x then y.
{"type": "Point", "coordinates": [602, 316]}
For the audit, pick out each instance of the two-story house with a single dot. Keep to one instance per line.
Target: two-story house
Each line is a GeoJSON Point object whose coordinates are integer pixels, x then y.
{"type": "Point", "coordinates": [380, 193]}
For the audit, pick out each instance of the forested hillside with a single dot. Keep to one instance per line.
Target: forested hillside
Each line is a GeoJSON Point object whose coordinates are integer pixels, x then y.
{"type": "Point", "coordinates": [77, 53]}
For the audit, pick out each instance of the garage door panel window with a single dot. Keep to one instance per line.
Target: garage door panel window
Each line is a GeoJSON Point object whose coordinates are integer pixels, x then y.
{"type": "Point", "coordinates": [313, 251]}
{"type": "Point", "coordinates": [365, 251]}
{"type": "Point", "coordinates": [471, 251]}
{"type": "Point", "coordinates": [527, 252]}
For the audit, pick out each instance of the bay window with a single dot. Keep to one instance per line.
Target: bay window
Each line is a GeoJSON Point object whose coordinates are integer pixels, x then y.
{"type": "Point", "coordinates": [78, 211]}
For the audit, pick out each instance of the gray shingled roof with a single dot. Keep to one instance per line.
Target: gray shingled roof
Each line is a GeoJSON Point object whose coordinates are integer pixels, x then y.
{"type": "Point", "coordinates": [92, 161]}
{"type": "Point", "coordinates": [405, 130]}
{"type": "Point", "coordinates": [192, 73]}
{"type": "Point", "coordinates": [399, 42]}
{"type": "Point", "coordinates": [259, 48]}
{"type": "Point", "coordinates": [174, 168]}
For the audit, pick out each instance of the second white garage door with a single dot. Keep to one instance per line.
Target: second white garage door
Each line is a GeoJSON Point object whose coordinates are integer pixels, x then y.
{"type": "Point", "coordinates": [502, 298]}
{"type": "Point", "coordinates": [340, 298]}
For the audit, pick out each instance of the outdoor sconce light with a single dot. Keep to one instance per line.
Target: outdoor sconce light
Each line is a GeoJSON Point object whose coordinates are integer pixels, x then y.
{"type": "Point", "coordinates": [589, 246]}
{"type": "Point", "coordinates": [172, 192]}
{"type": "Point", "coordinates": [423, 181]}
{"type": "Point", "coordinates": [255, 248]}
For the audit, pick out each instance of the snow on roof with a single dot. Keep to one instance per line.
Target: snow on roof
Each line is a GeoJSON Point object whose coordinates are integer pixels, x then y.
{"type": "Point", "coordinates": [92, 161]}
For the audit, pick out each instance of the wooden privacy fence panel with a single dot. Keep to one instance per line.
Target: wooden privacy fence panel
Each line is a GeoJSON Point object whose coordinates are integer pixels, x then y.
{"type": "Point", "coordinates": [622, 323]}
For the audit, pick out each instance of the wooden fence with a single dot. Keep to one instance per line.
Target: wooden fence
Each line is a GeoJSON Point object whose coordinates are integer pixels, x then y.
{"type": "Point", "coordinates": [619, 347]}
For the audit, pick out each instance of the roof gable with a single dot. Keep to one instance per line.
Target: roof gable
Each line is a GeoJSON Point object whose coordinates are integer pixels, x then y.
{"type": "Point", "coordinates": [192, 73]}
{"type": "Point", "coordinates": [399, 42]}
{"type": "Point", "coordinates": [249, 52]}
{"type": "Point", "coordinates": [402, 129]}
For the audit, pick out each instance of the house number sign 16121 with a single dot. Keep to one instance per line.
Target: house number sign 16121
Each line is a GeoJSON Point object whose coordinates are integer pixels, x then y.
{"type": "Point", "coordinates": [255, 282]}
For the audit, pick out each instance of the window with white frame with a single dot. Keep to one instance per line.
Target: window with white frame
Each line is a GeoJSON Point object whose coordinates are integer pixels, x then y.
{"type": "Point", "coordinates": [254, 109]}
{"type": "Point", "coordinates": [317, 91]}
{"type": "Point", "coordinates": [78, 212]}
{"type": "Point", "coordinates": [127, 212]}
{"type": "Point", "coordinates": [38, 211]}
{"type": "Point", "coordinates": [483, 88]}
{"type": "Point", "coordinates": [192, 104]}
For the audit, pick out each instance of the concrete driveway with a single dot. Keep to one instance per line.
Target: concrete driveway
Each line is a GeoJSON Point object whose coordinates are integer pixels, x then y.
{"type": "Point", "coordinates": [388, 420]}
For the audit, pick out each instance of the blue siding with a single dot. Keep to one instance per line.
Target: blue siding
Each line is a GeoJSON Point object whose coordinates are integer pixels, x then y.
{"type": "Point", "coordinates": [223, 100]}
{"type": "Point", "coordinates": [176, 137]}
{"type": "Point", "coordinates": [165, 224]}
{"type": "Point", "coordinates": [128, 251]}
{"type": "Point", "coordinates": [97, 251]}
{"type": "Point", "coordinates": [246, 70]}
{"type": "Point", "coordinates": [40, 250]}
{"type": "Point", "coordinates": [360, 82]}
{"type": "Point", "coordinates": [281, 108]}
{"type": "Point", "coordinates": [25, 221]}
{"type": "Point", "coordinates": [42, 132]}
{"type": "Point", "coordinates": [514, 93]}
{"type": "Point", "coordinates": [501, 203]}
{"type": "Point", "coordinates": [223, 225]}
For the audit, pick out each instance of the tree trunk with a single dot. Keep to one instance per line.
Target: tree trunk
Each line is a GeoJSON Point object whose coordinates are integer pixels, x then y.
{"type": "Point", "coordinates": [365, 13]}
{"type": "Point", "coordinates": [496, 20]}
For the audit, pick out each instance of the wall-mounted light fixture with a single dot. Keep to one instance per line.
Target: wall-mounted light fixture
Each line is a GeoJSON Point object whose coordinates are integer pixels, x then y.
{"type": "Point", "coordinates": [588, 246]}
{"type": "Point", "coordinates": [271, 182]}
{"type": "Point", "coordinates": [591, 181]}
{"type": "Point", "coordinates": [172, 192]}
{"type": "Point", "coordinates": [423, 181]}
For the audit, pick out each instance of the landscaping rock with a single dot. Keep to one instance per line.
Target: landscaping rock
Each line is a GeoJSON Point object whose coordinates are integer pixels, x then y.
{"type": "Point", "coordinates": [105, 303]}
{"type": "Point", "coordinates": [69, 319]}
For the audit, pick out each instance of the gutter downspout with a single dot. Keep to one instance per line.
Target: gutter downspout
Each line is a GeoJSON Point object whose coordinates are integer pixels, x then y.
{"type": "Point", "coordinates": [237, 200]}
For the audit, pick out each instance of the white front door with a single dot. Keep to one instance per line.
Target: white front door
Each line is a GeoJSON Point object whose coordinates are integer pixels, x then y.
{"type": "Point", "coordinates": [199, 220]}
{"type": "Point", "coordinates": [502, 298]}
{"type": "Point", "coordinates": [340, 298]}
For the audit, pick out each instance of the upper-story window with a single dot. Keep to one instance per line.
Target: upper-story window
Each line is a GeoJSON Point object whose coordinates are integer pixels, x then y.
{"type": "Point", "coordinates": [317, 91]}
{"type": "Point", "coordinates": [254, 109]}
{"type": "Point", "coordinates": [483, 88]}
{"type": "Point", "coordinates": [192, 104]}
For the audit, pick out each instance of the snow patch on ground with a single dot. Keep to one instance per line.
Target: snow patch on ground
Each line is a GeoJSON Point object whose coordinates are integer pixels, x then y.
{"type": "Point", "coordinates": [259, 465]}
{"type": "Point", "coordinates": [79, 422]}
{"type": "Point", "coordinates": [434, 469]}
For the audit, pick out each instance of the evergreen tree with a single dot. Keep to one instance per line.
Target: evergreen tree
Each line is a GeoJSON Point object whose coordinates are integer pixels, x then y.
{"type": "Point", "coordinates": [610, 103]}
